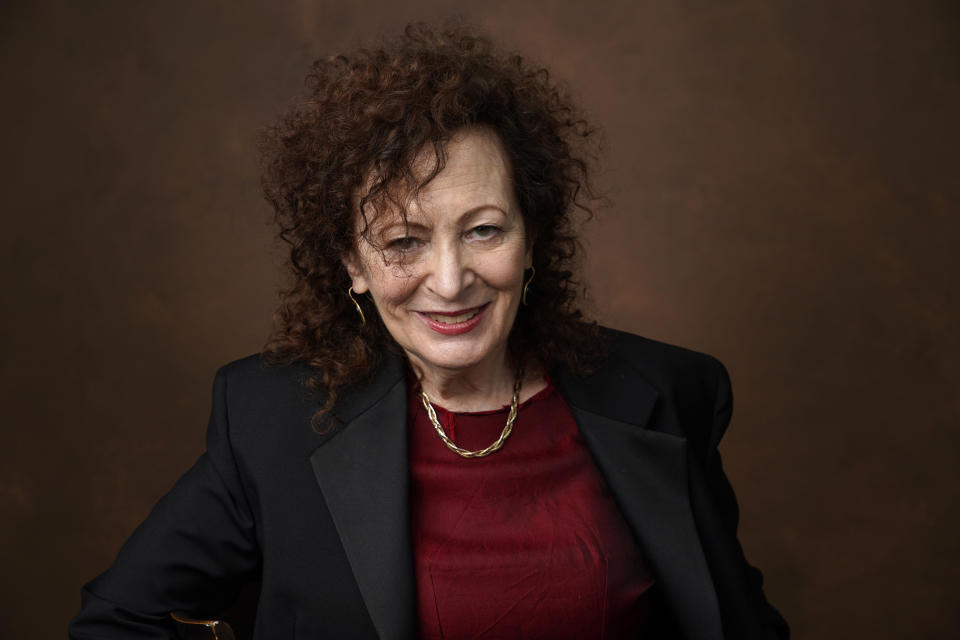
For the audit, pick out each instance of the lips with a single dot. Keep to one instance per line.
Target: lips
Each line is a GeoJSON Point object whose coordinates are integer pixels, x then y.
{"type": "Point", "coordinates": [451, 319]}
{"type": "Point", "coordinates": [453, 322]}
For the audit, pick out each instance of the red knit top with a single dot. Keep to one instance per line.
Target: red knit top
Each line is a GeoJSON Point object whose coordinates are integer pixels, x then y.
{"type": "Point", "coordinates": [526, 542]}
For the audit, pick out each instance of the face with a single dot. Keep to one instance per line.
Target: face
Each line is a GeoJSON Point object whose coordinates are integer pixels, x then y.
{"type": "Point", "coordinates": [447, 284]}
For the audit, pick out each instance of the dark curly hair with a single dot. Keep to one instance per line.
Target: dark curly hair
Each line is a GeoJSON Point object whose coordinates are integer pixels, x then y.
{"type": "Point", "coordinates": [353, 142]}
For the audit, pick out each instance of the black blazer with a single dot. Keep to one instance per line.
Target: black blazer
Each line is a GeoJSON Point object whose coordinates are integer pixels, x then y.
{"type": "Point", "coordinates": [323, 520]}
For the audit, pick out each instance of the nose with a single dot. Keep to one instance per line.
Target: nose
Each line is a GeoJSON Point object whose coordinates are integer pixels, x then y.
{"type": "Point", "coordinates": [450, 274]}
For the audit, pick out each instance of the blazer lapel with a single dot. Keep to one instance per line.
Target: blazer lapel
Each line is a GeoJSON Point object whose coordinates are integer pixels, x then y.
{"type": "Point", "coordinates": [363, 472]}
{"type": "Point", "coordinates": [646, 470]}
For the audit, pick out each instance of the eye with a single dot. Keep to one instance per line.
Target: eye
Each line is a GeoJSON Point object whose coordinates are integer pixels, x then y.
{"type": "Point", "coordinates": [404, 244]}
{"type": "Point", "coordinates": [483, 232]}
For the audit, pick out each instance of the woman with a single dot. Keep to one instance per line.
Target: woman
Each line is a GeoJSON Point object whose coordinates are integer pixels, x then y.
{"type": "Point", "coordinates": [469, 459]}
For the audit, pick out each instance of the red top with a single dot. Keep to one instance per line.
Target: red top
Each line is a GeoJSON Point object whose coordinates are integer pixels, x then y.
{"type": "Point", "coordinates": [526, 542]}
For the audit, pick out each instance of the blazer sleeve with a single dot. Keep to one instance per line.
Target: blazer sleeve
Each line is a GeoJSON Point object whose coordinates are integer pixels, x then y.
{"type": "Point", "coordinates": [755, 617]}
{"type": "Point", "coordinates": [190, 554]}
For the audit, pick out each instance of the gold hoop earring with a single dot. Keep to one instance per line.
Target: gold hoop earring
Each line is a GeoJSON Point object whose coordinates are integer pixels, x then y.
{"type": "Point", "coordinates": [526, 285]}
{"type": "Point", "coordinates": [363, 318]}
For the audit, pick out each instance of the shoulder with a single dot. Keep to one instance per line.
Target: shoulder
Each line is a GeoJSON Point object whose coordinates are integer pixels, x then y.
{"type": "Point", "coordinates": [253, 381]}
{"type": "Point", "coordinates": [666, 367]}
{"type": "Point", "coordinates": [693, 393]}
{"type": "Point", "coordinates": [265, 405]}
{"type": "Point", "coordinates": [256, 370]}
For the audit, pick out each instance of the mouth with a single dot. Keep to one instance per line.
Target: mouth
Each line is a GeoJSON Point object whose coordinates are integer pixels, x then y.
{"type": "Point", "coordinates": [455, 317]}
{"type": "Point", "coordinates": [453, 322]}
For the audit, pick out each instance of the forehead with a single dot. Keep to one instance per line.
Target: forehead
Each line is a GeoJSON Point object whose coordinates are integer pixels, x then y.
{"type": "Point", "coordinates": [476, 168]}
{"type": "Point", "coordinates": [476, 173]}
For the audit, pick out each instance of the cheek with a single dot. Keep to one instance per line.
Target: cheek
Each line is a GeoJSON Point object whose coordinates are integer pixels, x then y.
{"type": "Point", "coordinates": [505, 273]}
{"type": "Point", "coordinates": [393, 286]}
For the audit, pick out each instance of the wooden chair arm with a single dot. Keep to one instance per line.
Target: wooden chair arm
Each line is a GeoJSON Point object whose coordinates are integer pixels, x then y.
{"type": "Point", "coordinates": [198, 629]}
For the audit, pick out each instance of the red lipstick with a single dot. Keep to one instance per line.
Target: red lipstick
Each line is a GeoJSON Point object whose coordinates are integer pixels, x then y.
{"type": "Point", "coordinates": [453, 328]}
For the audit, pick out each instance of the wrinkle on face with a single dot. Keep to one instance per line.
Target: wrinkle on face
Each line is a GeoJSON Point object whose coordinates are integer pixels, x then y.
{"type": "Point", "coordinates": [460, 243]}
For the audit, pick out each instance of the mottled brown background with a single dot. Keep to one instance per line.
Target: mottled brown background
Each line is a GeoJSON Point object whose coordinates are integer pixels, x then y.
{"type": "Point", "coordinates": [784, 187]}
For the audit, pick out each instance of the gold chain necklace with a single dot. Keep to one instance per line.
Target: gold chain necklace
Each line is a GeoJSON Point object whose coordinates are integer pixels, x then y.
{"type": "Point", "coordinates": [507, 429]}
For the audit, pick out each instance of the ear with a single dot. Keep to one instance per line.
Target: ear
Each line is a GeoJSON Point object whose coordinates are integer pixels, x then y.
{"type": "Point", "coordinates": [530, 240]}
{"type": "Point", "coordinates": [356, 272]}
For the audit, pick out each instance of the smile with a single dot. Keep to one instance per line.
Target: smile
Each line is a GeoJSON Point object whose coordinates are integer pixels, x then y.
{"type": "Point", "coordinates": [453, 322]}
{"type": "Point", "coordinates": [463, 317]}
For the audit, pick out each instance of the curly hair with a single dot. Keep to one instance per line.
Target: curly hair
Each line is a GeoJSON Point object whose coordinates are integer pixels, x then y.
{"type": "Point", "coordinates": [355, 138]}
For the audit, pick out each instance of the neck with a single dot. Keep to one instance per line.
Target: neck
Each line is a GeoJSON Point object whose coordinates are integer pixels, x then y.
{"type": "Point", "coordinates": [479, 388]}
{"type": "Point", "coordinates": [483, 387]}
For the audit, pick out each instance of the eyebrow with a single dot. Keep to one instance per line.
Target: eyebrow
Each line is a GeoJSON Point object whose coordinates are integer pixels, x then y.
{"type": "Point", "coordinates": [474, 210]}
{"type": "Point", "coordinates": [413, 224]}
{"type": "Point", "coordinates": [408, 225]}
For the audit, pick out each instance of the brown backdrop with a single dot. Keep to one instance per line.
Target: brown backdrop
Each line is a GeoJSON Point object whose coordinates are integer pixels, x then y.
{"type": "Point", "coordinates": [784, 186]}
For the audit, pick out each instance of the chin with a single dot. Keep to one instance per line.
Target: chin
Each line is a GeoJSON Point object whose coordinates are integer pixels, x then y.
{"type": "Point", "coordinates": [452, 359]}
{"type": "Point", "coordinates": [454, 355]}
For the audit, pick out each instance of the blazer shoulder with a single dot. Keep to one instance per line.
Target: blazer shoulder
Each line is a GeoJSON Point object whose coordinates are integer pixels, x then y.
{"type": "Point", "coordinates": [266, 402]}
{"type": "Point", "coordinates": [255, 375]}
{"type": "Point", "coordinates": [693, 387]}
{"type": "Point", "coordinates": [663, 365]}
